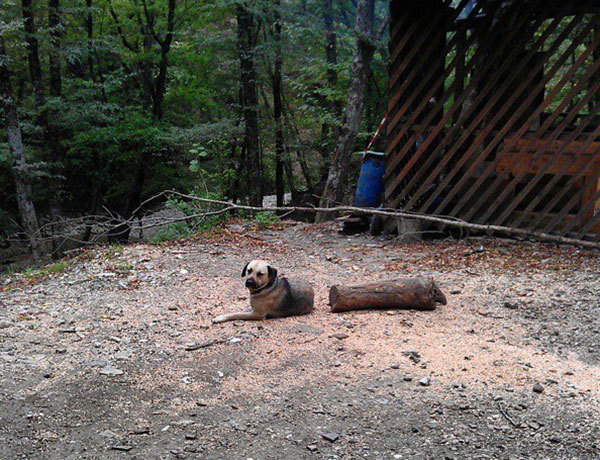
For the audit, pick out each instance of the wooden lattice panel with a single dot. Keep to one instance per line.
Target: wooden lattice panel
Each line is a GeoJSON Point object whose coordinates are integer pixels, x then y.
{"type": "Point", "coordinates": [494, 112]}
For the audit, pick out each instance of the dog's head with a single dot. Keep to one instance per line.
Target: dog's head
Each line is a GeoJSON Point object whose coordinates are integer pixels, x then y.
{"type": "Point", "coordinates": [258, 273]}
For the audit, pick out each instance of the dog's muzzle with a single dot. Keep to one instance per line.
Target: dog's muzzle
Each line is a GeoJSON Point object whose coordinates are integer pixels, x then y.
{"type": "Point", "coordinates": [250, 283]}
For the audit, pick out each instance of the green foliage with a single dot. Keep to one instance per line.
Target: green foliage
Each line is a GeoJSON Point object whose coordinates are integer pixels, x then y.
{"type": "Point", "coordinates": [102, 128]}
{"type": "Point", "coordinates": [265, 219]}
{"type": "Point", "coordinates": [57, 267]}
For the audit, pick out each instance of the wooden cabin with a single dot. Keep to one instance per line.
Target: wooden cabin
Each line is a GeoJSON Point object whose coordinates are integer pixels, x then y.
{"type": "Point", "coordinates": [494, 112]}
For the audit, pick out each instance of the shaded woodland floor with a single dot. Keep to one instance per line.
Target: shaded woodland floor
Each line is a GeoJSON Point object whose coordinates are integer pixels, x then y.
{"type": "Point", "coordinates": [115, 356]}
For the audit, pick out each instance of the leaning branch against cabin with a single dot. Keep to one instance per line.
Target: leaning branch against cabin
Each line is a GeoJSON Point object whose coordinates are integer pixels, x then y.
{"type": "Point", "coordinates": [111, 224]}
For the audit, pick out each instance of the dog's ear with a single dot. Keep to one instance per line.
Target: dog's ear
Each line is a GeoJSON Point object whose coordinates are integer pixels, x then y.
{"type": "Point", "coordinates": [244, 270]}
{"type": "Point", "coordinates": [272, 272]}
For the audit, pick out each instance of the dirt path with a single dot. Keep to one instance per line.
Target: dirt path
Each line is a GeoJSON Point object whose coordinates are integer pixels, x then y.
{"type": "Point", "coordinates": [94, 365]}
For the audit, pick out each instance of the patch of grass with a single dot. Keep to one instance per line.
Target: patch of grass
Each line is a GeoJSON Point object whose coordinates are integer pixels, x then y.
{"type": "Point", "coordinates": [265, 219]}
{"type": "Point", "coordinates": [47, 270]}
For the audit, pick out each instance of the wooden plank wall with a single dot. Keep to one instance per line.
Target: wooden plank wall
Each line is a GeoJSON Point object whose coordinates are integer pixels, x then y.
{"type": "Point", "coordinates": [494, 115]}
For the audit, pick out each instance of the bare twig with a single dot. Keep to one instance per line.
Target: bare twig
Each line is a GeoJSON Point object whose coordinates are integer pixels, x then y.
{"type": "Point", "coordinates": [506, 416]}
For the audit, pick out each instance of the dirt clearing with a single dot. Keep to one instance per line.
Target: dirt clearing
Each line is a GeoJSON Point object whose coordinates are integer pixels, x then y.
{"type": "Point", "coordinates": [115, 357]}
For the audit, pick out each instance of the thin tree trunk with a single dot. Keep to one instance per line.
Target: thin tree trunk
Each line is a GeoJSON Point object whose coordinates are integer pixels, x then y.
{"type": "Point", "coordinates": [161, 79]}
{"type": "Point", "coordinates": [33, 57]}
{"type": "Point", "coordinates": [279, 147]}
{"type": "Point", "coordinates": [333, 107]}
{"type": "Point", "coordinates": [54, 55]}
{"type": "Point", "coordinates": [154, 92]}
{"type": "Point", "coordinates": [20, 168]}
{"type": "Point", "coordinates": [247, 33]}
{"type": "Point", "coordinates": [89, 27]}
{"type": "Point", "coordinates": [337, 178]}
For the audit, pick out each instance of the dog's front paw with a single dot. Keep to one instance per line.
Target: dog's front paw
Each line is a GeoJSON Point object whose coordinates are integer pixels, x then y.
{"type": "Point", "coordinates": [219, 319]}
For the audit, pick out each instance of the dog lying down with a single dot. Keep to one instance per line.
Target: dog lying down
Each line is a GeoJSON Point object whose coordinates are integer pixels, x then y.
{"type": "Point", "coordinates": [271, 296]}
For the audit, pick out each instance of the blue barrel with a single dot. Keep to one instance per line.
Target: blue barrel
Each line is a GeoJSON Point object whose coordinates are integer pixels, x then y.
{"type": "Point", "coordinates": [369, 192]}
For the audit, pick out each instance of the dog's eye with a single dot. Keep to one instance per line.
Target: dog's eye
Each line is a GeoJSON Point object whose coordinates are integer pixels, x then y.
{"type": "Point", "coordinates": [249, 270]}
{"type": "Point", "coordinates": [260, 274]}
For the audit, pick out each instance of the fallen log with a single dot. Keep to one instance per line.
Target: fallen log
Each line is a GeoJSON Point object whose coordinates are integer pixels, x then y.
{"type": "Point", "coordinates": [416, 293]}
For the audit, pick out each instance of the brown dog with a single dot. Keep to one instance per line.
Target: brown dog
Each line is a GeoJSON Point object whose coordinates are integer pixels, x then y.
{"type": "Point", "coordinates": [271, 296]}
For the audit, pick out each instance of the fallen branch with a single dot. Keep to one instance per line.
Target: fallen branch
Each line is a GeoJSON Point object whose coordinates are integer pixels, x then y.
{"type": "Point", "coordinates": [445, 220]}
{"type": "Point", "coordinates": [113, 224]}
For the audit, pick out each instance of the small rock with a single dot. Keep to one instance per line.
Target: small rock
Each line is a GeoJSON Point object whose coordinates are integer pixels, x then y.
{"type": "Point", "coordinates": [191, 435]}
{"type": "Point", "coordinates": [122, 447]}
{"type": "Point", "coordinates": [183, 271]}
{"type": "Point", "coordinates": [425, 382]}
{"type": "Point", "coordinates": [61, 351]}
{"type": "Point", "coordinates": [115, 339]}
{"type": "Point", "coordinates": [173, 308]}
{"type": "Point", "coordinates": [196, 346]}
{"type": "Point", "coordinates": [235, 228]}
{"type": "Point", "coordinates": [537, 388]}
{"type": "Point", "coordinates": [5, 324]}
{"type": "Point", "coordinates": [413, 355]}
{"type": "Point", "coordinates": [95, 363]}
{"type": "Point", "coordinates": [122, 355]}
{"type": "Point", "coordinates": [407, 378]}
{"type": "Point", "coordinates": [47, 375]}
{"type": "Point", "coordinates": [200, 403]}
{"type": "Point", "coordinates": [534, 425]}
{"type": "Point", "coordinates": [331, 437]}
{"type": "Point", "coordinates": [510, 305]}
{"type": "Point", "coordinates": [235, 340]}
{"type": "Point", "coordinates": [142, 430]}
{"type": "Point", "coordinates": [410, 353]}
{"type": "Point", "coordinates": [307, 328]}
{"type": "Point", "coordinates": [395, 366]}
{"type": "Point", "coordinates": [110, 370]}
{"type": "Point", "coordinates": [183, 422]}
{"type": "Point", "coordinates": [312, 447]}
{"type": "Point", "coordinates": [108, 434]}
{"type": "Point", "coordinates": [456, 291]}
{"type": "Point", "coordinates": [339, 336]}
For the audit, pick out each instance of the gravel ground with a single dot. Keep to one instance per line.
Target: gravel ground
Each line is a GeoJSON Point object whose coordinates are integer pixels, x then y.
{"type": "Point", "coordinates": [115, 357]}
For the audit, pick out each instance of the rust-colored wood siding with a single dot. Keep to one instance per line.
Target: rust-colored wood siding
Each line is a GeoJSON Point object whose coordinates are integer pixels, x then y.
{"type": "Point", "coordinates": [494, 112]}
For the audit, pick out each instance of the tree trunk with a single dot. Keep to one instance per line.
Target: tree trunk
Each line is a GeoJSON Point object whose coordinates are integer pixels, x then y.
{"type": "Point", "coordinates": [332, 106]}
{"type": "Point", "coordinates": [20, 168]}
{"type": "Point", "coordinates": [161, 79]}
{"type": "Point", "coordinates": [337, 178]}
{"type": "Point", "coordinates": [417, 293]}
{"type": "Point", "coordinates": [247, 34]}
{"type": "Point", "coordinates": [33, 56]}
{"type": "Point", "coordinates": [279, 147]}
{"type": "Point", "coordinates": [54, 55]}
{"type": "Point", "coordinates": [154, 93]}
{"type": "Point", "coordinates": [89, 27]}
